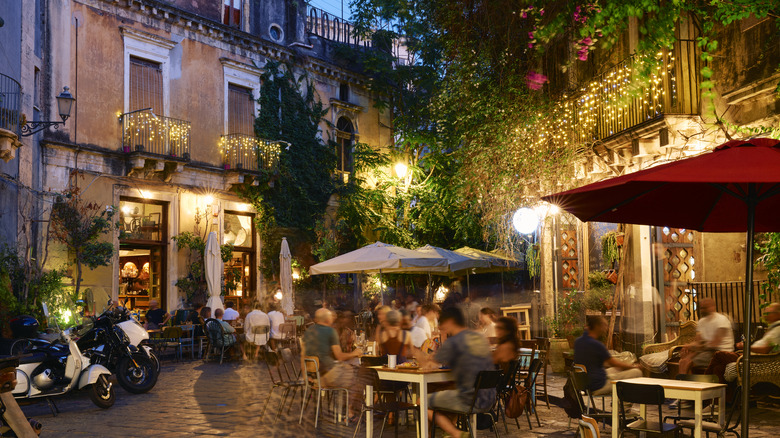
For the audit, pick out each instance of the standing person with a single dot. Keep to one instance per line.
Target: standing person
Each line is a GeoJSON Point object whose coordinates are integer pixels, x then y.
{"type": "Point", "coordinates": [231, 314]}
{"type": "Point", "coordinates": [508, 342]}
{"type": "Point", "coordinates": [589, 351]}
{"type": "Point", "coordinates": [487, 323]}
{"type": "Point", "coordinates": [394, 340]}
{"type": "Point", "coordinates": [277, 318]}
{"type": "Point", "coordinates": [229, 337]}
{"type": "Point", "coordinates": [322, 342]}
{"type": "Point", "coordinates": [466, 353]}
{"type": "Point", "coordinates": [713, 333]}
{"type": "Point", "coordinates": [256, 318]}
{"type": "Point", "coordinates": [155, 316]}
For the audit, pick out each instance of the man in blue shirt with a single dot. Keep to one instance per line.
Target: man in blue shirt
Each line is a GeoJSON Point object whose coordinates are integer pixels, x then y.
{"type": "Point", "coordinates": [589, 351]}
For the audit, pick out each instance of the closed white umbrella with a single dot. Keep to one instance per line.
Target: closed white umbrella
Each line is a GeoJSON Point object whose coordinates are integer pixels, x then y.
{"type": "Point", "coordinates": [285, 278]}
{"type": "Point", "coordinates": [212, 259]}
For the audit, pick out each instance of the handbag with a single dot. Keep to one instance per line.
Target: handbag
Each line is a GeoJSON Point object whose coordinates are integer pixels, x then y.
{"type": "Point", "coordinates": [516, 402]}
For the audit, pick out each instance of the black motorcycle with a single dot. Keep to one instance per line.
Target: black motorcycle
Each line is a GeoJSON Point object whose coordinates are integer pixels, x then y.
{"type": "Point", "coordinates": [107, 342]}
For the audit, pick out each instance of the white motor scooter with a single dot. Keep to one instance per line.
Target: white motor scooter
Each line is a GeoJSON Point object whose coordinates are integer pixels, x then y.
{"type": "Point", "coordinates": [60, 367]}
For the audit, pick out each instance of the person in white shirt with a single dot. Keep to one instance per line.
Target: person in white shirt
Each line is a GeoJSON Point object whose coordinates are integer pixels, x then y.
{"type": "Point", "coordinates": [253, 319]}
{"type": "Point", "coordinates": [713, 333]}
{"type": "Point", "coordinates": [487, 322]}
{"type": "Point", "coordinates": [277, 318]}
{"type": "Point", "coordinates": [429, 314]}
{"type": "Point", "coordinates": [230, 313]}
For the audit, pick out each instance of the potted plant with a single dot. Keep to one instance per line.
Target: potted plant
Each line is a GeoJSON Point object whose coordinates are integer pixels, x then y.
{"type": "Point", "coordinates": [564, 328]}
{"type": "Point", "coordinates": [600, 292]}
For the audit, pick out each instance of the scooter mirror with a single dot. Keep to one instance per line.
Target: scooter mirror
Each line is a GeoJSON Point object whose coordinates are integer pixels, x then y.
{"type": "Point", "coordinates": [45, 310]}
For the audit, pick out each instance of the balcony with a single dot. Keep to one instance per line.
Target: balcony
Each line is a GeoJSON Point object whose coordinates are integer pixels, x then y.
{"type": "Point", "coordinates": [610, 103]}
{"type": "Point", "coordinates": [157, 145]}
{"type": "Point", "coordinates": [246, 156]}
{"type": "Point", "coordinates": [10, 116]}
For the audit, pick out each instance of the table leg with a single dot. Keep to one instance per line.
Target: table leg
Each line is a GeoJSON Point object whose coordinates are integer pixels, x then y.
{"type": "Point", "coordinates": [722, 408]}
{"type": "Point", "coordinates": [615, 416]}
{"type": "Point", "coordinates": [697, 407]}
{"type": "Point", "coordinates": [415, 401]}
{"type": "Point", "coordinates": [643, 411]}
{"type": "Point", "coordinates": [423, 409]}
{"type": "Point", "coordinates": [369, 414]}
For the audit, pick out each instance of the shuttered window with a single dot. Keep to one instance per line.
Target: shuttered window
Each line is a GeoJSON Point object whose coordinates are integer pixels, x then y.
{"type": "Point", "coordinates": [146, 85]}
{"type": "Point", "coordinates": [241, 110]}
{"type": "Point", "coordinates": [232, 13]}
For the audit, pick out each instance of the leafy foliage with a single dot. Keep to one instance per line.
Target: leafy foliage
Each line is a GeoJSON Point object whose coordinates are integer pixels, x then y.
{"type": "Point", "coordinates": [80, 226]}
{"type": "Point", "coordinates": [600, 292]}
{"type": "Point", "coordinates": [768, 246]}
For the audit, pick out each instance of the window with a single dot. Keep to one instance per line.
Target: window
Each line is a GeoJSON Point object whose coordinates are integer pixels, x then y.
{"type": "Point", "coordinates": [232, 13]}
{"type": "Point", "coordinates": [146, 85]}
{"type": "Point", "coordinates": [344, 92]}
{"type": "Point", "coordinates": [275, 31]}
{"type": "Point", "coordinates": [241, 110]}
{"type": "Point", "coordinates": [345, 136]}
{"type": "Point", "coordinates": [239, 272]}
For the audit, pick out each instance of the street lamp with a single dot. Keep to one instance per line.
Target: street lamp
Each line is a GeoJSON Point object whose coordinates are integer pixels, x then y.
{"type": "Point", "coordinates": [64, 106]}
{"type": "Point", "coordinates": [525, 220]}
{"type": "Point", "coordinates": [401, 169]}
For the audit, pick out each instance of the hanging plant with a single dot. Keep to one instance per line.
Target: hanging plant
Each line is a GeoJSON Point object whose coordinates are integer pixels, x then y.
{"type": "Point", "coordinates": [610, 250]}
{"type": "Point", "coordinates": [532, 260]}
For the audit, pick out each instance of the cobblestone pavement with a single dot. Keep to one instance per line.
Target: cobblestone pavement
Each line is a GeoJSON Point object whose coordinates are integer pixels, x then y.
{"type": "Point", "coordinates": [205, 399]}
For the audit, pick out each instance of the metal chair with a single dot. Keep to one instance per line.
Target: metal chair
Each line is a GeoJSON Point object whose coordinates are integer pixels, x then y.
{"type": "Point", "coordinates": [530, 385]}
{"type": "Point", "coordinates": [382, 407]}
{"type": "Point", "coordinates": [216, 335]}
{"type": "Point", "coordinates": [485, 380]}
{"type": "Point", "coordinates": [171, 338]}
{"type": "Point", "coordinates": [250, 345]}
{"type": "Point", "coordinates": [287, 331]}
{"type": "Point", "coordinates": [506, 387]}
{"type": "Point", "coordinates": [188, 338]}
{"type": "Point", "coordinates": [543, 345]}
{"type": "Point", "coordinates": [714, 427]}
{"type": "Point", "coordinates": [591, 396]}
{"type": "Point", "coordinates": [313, 382]}
{"type": "Point", "coordinates": [275, 363]}
{"type": "Point", "coordinates": [643, 395]}
{"type": "Point", "coordinates": [579, 385]}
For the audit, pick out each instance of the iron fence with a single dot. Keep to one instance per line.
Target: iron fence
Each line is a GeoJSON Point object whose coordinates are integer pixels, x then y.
{"type": "Point", "coordinates": [147, 132]}
{"type": "Point", "coordinates": [246, 152]}
{"type": "Point", "coordinates": [729, 299]}
{"type": "Point", "coordinates": [10, 104]}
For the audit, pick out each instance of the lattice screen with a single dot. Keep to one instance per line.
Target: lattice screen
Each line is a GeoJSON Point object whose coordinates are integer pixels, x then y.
{"type": "Point", "coordinates": [569, 259]}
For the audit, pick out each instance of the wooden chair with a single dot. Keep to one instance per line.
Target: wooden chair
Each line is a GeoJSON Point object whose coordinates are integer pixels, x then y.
{"type": "Point", "coordinates": [288, 332]}
{"type": "Point", "coordinates": [171, 338]}
{"type": "Point", "coordinates": [589, 428]}
{"type": "Point", "coordinates": [250, 345]}
{"type": "Point", "coordinates": [313, 383]}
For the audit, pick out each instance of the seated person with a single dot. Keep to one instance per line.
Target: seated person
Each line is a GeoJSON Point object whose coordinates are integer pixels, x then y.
{"type": "Point", "coordinates": [231, 314]}
{"type": "Point", "coordinates": [487, 322]}
{"type": "Point", "coordinates": [589, 351]}
{"type": "Point", "coordinates": [277, 318]}
{"type": "Point", "coordinates": [253, 319]}
{"type": "Point", "coordinates": [393, 339]}
{"type": "Point", "coordinates": [724, 363]}
{"type": "Point", "coordinates": [322, 342]}
{"type": "Point", "coordinates": [467, 353]}
{"type": "Point", "coordinates": [508, 342]}
{"type": "Point", "coordinates": [229, 333]}
{"type": "Point", "coordinates": [713, 333]}
{"type": "Point", "coordinates": [155, 316]}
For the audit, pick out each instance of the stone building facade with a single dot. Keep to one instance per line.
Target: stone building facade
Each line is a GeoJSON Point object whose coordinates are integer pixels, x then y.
{"type": "Point", "coordinates": [163, 125]}
{"type": "Point", "coordinates": [665, 269]}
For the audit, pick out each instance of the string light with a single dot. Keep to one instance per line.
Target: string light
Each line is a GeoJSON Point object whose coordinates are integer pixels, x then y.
{"type": "Point", "coordinates": [156, 134]}
{"type": "Point", "coordinates": [248, 152]}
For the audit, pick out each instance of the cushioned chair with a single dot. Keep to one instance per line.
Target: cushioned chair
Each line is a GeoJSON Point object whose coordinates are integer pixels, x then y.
{"type": "Point", "coordinates": [667, 366]}
{"type": "Point", "coordinates": [485, 380]}
{"type": "Point", "coordinates": [643, 395]}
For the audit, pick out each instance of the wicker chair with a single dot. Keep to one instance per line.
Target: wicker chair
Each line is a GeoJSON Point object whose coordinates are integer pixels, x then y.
{"type": "Point", "coordinates": [687, 335]}
{"type": "Point", "coordinates": [763, 368]}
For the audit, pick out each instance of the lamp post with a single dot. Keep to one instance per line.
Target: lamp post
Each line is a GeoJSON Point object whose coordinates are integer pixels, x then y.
{"type": "Point", "coordinates": [65, 102]}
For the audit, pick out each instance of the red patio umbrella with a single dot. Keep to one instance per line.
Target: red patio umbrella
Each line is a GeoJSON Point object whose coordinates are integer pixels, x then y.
{"type": "Point", "coordinates": [734, 188]}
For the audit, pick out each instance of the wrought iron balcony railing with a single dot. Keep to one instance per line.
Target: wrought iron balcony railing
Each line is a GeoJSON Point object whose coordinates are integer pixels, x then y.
{"type": "Point", "coordinates": [611, 103]}
{"type": "Point", "coordinates": [247, 152]}
{"type": "Point", "coordinates": [10, 104]}
{"type": "Point", "coordinates": [144, 131]}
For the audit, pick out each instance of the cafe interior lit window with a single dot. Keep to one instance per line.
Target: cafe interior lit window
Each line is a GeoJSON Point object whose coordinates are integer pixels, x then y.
{"type": "Point", "coordinates": [240, 271]}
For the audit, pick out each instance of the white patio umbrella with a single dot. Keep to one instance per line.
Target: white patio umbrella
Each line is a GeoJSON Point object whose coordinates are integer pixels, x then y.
{"type": "Point", "coordinates": [382, 258]}
{"type": "Point", "coordinates": [285, 278]}
{"type": "Point", "coordinates": [212, 259]}
{"type": "Point", "coordinates": [456, 262]}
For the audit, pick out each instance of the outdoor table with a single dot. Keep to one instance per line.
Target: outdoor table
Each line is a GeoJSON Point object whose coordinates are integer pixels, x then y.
{"type": "Point", "coordinates": [680, 389]}
{"type": "Point", "coordinates": [421, 378]}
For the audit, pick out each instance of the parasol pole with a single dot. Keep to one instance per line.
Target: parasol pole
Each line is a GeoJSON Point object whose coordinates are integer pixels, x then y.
{"type": "Point", "coordinates": [751, 217]}
{"type": "Point", "coordinates": [381, 291]}
{"type": "Point", "coordinates": [468, 286]}
{"type": "Point", "coordinates": [502, 287]}
{"type": "Point", "coordinates": [429, 294]}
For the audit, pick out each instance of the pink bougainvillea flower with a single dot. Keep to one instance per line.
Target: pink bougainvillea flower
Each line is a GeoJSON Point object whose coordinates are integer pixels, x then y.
{"type": "Point", "coordinates": [524, 14]}
{"type": "Point", "coordinates": [530, 45]}
{"type": "Point", "coordinates": [531, 35]}
{"type": "Point", "coordinates": [582, 54]}
{"type": "Point", "coordinates": [535, 80]}
{"type": "Point", "coordinates": [587, 41]}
